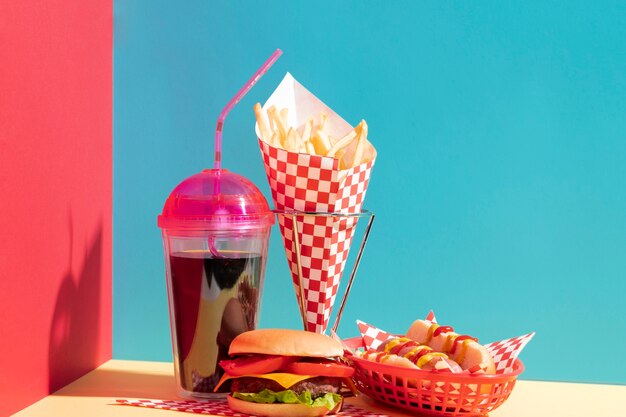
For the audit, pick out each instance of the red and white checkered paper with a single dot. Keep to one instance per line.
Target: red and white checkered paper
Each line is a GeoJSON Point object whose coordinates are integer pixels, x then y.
{"type": "Point", "coordinates": [220, 407]}
{"type": "Point", "coordinates": [312, 183]}
{"type": "Point", "coordinates": [374, 337]}
{"type": "Point", "coordinates": [504, 352]}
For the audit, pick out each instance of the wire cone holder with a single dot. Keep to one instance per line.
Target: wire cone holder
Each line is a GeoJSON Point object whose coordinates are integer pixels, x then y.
{"type": "Point", "coordinates": [317, 245]}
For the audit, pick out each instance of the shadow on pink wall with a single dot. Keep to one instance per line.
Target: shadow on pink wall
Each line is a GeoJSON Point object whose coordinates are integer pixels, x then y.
{"type": "Point", "coordinates": [56, 188]}
{"type": "Point", "coordinates": [76, 317]}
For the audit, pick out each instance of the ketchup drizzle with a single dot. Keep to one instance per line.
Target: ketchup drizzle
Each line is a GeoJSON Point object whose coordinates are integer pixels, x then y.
{"type": "Point", "coordinates": [442, 329]}
{"type": "Point", "coordinates": [460, 339]}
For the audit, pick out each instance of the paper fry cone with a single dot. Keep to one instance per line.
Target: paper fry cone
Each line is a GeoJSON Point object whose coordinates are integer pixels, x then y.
{"type": "Point", "coordinates": [311, 183]}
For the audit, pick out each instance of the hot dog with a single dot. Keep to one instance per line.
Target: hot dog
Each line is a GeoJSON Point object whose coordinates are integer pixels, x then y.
{"type": "Point", "coordinates": [404, 352]}
{"type": "Point", "coordinates": [464, 350]}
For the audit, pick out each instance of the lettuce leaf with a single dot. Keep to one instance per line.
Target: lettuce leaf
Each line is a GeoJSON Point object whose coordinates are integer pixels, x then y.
{"type": "Point", "coordinates": [328, 400]}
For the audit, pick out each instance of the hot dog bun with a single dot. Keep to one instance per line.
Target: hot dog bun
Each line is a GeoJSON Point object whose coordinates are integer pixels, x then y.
{"type": "Point", "coordinates": [389, 359]}
{"type": "Point", "coordinates": [464, 350]}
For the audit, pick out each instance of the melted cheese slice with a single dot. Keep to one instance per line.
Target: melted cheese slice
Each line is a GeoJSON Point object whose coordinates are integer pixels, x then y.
{"type": "Point", "coordinates": [285, 380]}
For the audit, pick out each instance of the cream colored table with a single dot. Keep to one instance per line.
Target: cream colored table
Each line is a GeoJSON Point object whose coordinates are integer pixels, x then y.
{"type": "Point", "coordinates": [94, 395]}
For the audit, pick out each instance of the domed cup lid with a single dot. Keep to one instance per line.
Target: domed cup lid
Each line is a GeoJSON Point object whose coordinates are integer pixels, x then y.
{"type": "Point", "coordinates": [215, 199]}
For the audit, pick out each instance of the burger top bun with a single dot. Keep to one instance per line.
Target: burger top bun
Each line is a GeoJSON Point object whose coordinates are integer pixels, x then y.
{"type": "Point", "coordinates": [285, 342]}
{"type": "Point", "coordinates": [278, 410]}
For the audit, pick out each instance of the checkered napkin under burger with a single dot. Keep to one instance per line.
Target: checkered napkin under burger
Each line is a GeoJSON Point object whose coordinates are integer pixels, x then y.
{"type": "Point", "coordinates": [221, 408]}
{"type": "Point", "coordinates": [314, 166]}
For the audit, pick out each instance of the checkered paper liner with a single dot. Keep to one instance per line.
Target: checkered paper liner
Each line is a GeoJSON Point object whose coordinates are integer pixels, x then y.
{"type": "Point", "coordinates": [311, 183]}
{"type": "Point", "coordinates": [504, 352]}
{"type": "Point", "coordinates": [220, 407]}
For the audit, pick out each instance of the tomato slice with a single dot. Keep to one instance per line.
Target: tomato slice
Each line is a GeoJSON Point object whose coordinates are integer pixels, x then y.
{"type": "Point", "coordinates": [319, 367]}
{"type": "Point", "coordinates": [257, 364]}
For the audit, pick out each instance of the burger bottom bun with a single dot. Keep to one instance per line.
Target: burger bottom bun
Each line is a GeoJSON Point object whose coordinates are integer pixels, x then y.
{"type": "Point", "coordinates": [278, 410]}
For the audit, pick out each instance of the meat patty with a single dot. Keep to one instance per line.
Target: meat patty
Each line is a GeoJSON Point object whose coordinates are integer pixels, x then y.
{"type": "Point", "coordinates": [317, 386]}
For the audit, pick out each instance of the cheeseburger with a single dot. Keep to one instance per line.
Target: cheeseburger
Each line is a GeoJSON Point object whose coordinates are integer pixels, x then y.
{"type": "Point", "coordinates": [285, 373]}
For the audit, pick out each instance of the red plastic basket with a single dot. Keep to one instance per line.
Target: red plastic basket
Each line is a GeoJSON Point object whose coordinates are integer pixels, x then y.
{"type": "Point", "coordinates": [433, 393]}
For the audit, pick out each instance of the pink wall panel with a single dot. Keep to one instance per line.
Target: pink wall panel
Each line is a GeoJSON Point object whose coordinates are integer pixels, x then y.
{"type": "Point", "coordinates": [55, 194]}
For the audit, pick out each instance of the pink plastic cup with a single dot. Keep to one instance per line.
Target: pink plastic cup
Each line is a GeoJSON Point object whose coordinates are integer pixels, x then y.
{"type": "Point", "coordinates": [216, 226]}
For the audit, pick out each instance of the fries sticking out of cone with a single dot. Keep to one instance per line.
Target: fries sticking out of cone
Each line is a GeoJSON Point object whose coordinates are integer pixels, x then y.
{"type": "Point", "coordinates": [318, 168]}
{"type": "Point", "coordinates": [351, 150]}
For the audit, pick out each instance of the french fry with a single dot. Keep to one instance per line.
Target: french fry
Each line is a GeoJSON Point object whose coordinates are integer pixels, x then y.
{"type": "Point", "coordinates": [284, 113]}
{"type": "Point", "coordinates": [357, 128]}
{"type": "Point", "coordinates": [294, 141]}
{"type": "Point", "coordinates": [309, 147]}
{"type": "Point", "coordinates": [290, 143]}
{"type": "Point", "coordinates": [320, 142]}
{"type": "Point", "coordinates": [360, 144]}
{"type": "Point", "coordinates": [275, 141]}
{"type": "Point", "coordinates": [363, 126]}
{"type": "Point", "coordinates": [300, 142]}
{"type": "Point", "coordinates": [325, 138]}
{"type": "Point", "coordinates": [341, 156]}
{"type": "Point", "coordinates": [323, 119]}
{"type": "Point", "coordinates": [272, 113]}
{"type": "Point", "coordinates": [345, 141]}
{"type": "Point", "coordinates": [306, 132]}
{"type": "Point", "coordinates": [358, 152]}
{"type": "Point", "coordinates": [271, 110]}
{"type": "Point", "coordinates": [260, 119]}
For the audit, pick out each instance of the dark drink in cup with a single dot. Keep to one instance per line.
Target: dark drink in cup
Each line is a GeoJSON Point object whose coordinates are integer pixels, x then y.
{"type": "Point", "coordinates": [214, 299]}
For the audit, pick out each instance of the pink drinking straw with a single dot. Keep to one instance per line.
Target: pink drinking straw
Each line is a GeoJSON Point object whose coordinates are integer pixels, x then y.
{"type": "Point", "coordinates": [220, 120]}
{"type": "Point", "coordinates": [220, 125]}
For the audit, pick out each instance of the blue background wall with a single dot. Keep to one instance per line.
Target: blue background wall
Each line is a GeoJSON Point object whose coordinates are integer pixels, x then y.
{"type": "Point", "coordinates": [500, 187]}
